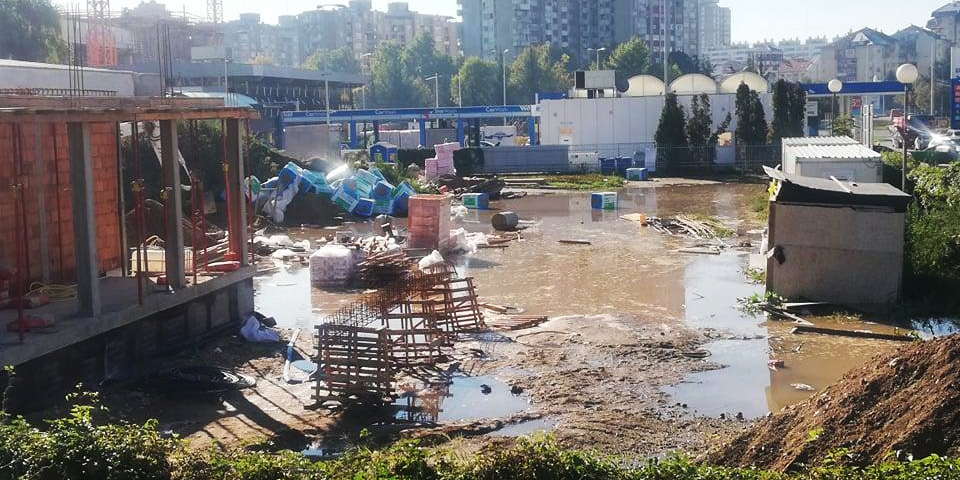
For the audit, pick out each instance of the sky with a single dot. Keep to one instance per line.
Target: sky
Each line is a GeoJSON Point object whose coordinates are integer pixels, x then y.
{"type": "Point", "coordinates": [753, 20]}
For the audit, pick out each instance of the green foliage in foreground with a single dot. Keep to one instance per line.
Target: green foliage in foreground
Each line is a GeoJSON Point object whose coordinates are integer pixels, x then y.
{"type": "Point", "coordinates": [933, 224]}
{"type": "Point", "coordinates": [77, 447]}
{"type": "Point", "coordinates": [586, 182]}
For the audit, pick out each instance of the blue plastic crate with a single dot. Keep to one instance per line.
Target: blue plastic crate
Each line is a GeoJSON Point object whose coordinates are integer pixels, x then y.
{"type": "Point", "coordinates": [364, 207]}
{"type": "Point", "coordinates": [608, 166]}
{"type": "Point", "coordinates": [382, 190]}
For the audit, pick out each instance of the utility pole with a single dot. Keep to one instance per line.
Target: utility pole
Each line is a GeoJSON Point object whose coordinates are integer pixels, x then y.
{"type": "Point", "coordinates": [666, 69]}
{"type": "Point", "coordinates": [933, 72]}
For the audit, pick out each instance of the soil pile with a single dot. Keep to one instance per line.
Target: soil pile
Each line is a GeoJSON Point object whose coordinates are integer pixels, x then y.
{"type": "Point", "coordinates": [907, 401]}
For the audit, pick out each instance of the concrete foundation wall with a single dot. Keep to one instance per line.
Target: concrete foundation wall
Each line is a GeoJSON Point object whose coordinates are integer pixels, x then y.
{"type": "Point", "coordinates": [836, 254]}
{"type": "Point", "coordinates": [49, 210]}
{"type": "Point", "coordinates": [123, 353]}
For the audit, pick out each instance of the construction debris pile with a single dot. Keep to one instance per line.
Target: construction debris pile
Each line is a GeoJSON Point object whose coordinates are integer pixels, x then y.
{"type": "Point", "coordinates": [680, 225]}
{"type": "Point", "coordinates": [410, 323]}
{"type": "Point", "coordinates": [904, 403]}
{"type": "Point", "coordinates": [364, 193]}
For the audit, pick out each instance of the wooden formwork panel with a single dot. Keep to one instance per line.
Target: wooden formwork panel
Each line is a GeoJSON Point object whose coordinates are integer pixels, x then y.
{"type": "Point", "coordinates": [354, 364]}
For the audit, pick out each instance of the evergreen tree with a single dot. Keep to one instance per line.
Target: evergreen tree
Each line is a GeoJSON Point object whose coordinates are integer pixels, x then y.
{"type": "Point", "coordinates": [671, 136]}
{"type": "Point", "coordinates": [789, 105]}
{"type": "Point", "coordinates": [702, 137]}
{"type": "Point", "coordinates": [751, 123]}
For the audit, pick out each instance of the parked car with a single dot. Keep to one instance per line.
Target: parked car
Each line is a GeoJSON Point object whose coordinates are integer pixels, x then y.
{"type": "Point", "coordinates": [917, 135]}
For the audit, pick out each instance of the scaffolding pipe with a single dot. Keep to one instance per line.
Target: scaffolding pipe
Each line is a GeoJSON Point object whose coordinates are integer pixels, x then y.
{"type": "Point", "coordinates": [137, 188]}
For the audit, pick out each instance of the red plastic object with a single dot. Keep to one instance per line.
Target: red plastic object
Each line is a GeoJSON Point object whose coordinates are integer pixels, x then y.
{"type": "Point", "coordinates": [29, 301]}
{"type": "Point", "coordinates": [224, 267]}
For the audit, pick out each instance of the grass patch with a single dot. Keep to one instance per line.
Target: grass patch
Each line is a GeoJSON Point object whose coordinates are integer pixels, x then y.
{"type": "Point", "coordinates": [760, 203]}
{"type": "Point", "coordinates": [586, 182]}
{"type": "Point", "coordinates": [756, 276]}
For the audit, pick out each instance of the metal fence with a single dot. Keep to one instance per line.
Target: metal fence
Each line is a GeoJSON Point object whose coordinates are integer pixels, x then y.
{"type": "Point", "coordinates": [694, 161]}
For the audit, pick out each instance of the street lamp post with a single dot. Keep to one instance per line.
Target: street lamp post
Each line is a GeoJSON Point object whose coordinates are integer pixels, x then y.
{"type": "Point", "coordinates": [601, 49]}
{"type": "Point", "coordinates": [503, 62]}
{"type": "Point", "coordinates": [363, 88]}
{"type": "Point", "coordinates": [907, 74]}
{"type": "Point", "coordinates": [436, 88]}
{"type": "Point", "coordinates": [835, 86]}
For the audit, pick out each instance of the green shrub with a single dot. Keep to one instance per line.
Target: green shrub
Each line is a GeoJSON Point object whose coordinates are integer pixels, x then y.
{"type": "Point", "coordinates": [933, 226]}
{"type": "Point", "coordinates": [76, 447]}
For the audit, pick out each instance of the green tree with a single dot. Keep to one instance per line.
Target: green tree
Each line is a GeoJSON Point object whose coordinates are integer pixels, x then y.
{"type": "Point", "coordinates": [656, 70]}
{"type": "Point", "coordinates": [629, 59]}
{"type": "Point", "coordinates": [535, 71]}
{"type": "Point", "coordinates": [687, 64]}
{"type": "Point", "coordinates": [392, 84]}
{"type": "Point", "coordinates": [30, 31]}
{"type": "Point", "coordinates": [479, 82]}
{"type": "Point", "coordinates": [702, 137]}
{"type": "Point", "coordinates": [340, 60]}
{"type": "Point", "coordinates": [671, 136]}
{"type": "Point", "coordinates": [751, 130]}
{"type": "Point", "coordinates": [843, 126]}
{"type": "Point", "coordinates": [423, 60]}
{"type": "Point", "coordinates": [789, 102]}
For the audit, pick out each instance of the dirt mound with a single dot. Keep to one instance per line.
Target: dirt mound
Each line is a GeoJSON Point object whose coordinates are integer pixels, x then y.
{"type": "Point", "coordinates": [907, 401]}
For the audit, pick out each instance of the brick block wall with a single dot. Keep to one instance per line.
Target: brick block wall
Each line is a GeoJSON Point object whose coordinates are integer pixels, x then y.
{"type": "Point", "coordinates": [428, 221]}
{"type": "Point", "coordinates": [55, 188]}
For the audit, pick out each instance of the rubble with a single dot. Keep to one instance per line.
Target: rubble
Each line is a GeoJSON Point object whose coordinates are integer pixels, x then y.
{"type": "Point", "coordinates": [904, 403]}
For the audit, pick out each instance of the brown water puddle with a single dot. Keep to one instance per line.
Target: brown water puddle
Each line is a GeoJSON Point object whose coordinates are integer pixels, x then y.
{"type": "Point", "coordinates": [630, 270]}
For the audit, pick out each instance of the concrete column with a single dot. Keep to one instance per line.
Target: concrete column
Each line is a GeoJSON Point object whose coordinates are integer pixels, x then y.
{"type": "Point", "coordinates": [84, 221]}
{"type": "Point", "coordinates": [460, 132]}
{"type": "Point", "coordinates": [40, 177]}
{"type": "Point", "coordinates": [532, 125]}
{"type": "Point", "coordinates": [423, 132]}
{"type": "Point", "coordinates": [173, 239]}
{"type": "Point", "coordinates": [238, 202]}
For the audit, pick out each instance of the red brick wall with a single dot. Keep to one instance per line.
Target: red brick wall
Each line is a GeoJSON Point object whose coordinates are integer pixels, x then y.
{"type": "Point", "coordinates": [57, 180]}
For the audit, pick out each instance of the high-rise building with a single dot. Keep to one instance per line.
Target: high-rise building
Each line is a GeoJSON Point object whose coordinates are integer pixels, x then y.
{"type": "Point", "coordinates": [576, 27]}
{"type": "Point", "coordinates": [714, 25]}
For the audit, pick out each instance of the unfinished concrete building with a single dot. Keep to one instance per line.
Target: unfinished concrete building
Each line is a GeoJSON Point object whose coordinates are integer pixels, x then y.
{"type": "Point", "coordinates": [62, 222]}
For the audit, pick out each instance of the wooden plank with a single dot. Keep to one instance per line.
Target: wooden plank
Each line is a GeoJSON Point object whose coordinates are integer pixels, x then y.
{"type": "Point", "coordinates": [852, 333]}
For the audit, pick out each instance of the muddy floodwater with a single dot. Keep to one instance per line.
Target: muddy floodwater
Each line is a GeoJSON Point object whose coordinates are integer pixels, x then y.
{"type": "Point", "coordinates": [628, 314]}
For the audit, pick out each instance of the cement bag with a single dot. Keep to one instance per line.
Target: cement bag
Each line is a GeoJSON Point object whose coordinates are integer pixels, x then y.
{"type": "Point", "coordinates": [431, 260]}
{"type": "Point", "coordinates": [332, 266]}
{"type": "Point", "coordinates": [253, 331]}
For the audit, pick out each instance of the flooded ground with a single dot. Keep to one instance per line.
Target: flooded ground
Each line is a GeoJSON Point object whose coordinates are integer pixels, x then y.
{"type": "Point", "coordinates": [618, 366]}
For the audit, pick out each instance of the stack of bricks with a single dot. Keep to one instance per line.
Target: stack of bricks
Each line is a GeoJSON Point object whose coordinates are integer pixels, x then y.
{"type": "Point", "coordinates": [442, 164]}
{"type": "Point", "coordinates": [428, 221]}
{"type": "Point", "coordinates": [54, 187]}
